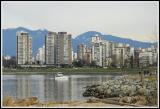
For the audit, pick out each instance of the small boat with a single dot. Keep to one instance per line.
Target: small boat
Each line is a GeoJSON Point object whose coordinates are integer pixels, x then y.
{"type": "Point", "coordinates": [60, 76]}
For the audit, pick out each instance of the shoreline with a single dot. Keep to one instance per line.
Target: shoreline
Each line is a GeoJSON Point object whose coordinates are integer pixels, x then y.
{"type": "Point", "coordinates": [34, 102]}
{"type": "Point", "coordinates": [68, 73]}
{"type": "Point", "coordinates": [90, 102]}
{"type": "Point", "coordinates": [76, 71]}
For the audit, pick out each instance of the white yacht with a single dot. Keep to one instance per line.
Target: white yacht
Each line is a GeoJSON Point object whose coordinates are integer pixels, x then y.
{"type": "Point", "coordinates": [59, 75]}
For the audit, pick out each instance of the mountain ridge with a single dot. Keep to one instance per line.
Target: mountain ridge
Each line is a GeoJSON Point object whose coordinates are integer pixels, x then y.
{"type": "Point", "coordinates": [38, 36]}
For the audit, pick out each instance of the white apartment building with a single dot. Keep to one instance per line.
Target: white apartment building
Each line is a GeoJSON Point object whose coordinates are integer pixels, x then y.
{"type": "Point", "coordinates": [50, 41]}
{"type": "Point", "coordinates": [147, 57]}
{"type": "Point", "coordinates": [24, 48]}
{"type": "Point", "coordinates": [106, 53]}
{"type": "Point", "coordinates": [81, 48]}
{"type": "Point", "coordinates": [97, 50]}
{"type": "Point", "coordinates": [119, 57]}
{"type": "Point", "coordinates": [122, 55]}
{"type": "Point", "coordinates": [64, 49]}
{"type": "Point", "coordinates": [58, 50]}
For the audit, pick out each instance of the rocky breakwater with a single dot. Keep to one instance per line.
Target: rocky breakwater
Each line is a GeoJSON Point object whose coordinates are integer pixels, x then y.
{"type": "Point", "coordinates": [129, 91]}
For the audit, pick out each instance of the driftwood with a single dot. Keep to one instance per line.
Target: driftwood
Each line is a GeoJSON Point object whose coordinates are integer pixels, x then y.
{"type": "Point", "coordinates": [118, 103]}
{"type": "Point", "coordinates": [114, 100]}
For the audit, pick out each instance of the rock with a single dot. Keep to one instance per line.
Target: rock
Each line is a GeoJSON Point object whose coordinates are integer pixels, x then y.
{"type": "Point", "coordinates": [151, 100]}
{"type": "Point", "coordinates": [123, 99]}
{"type": "Point", "coordinates": [138, 100]}
{"type": "Point", "coordinates": [93, 100]}
{"type": "Point", "coordinates": [123, 87]}
{"type": "Point", "coordinates": [141, 91]}
{"type": "Point", "coordinates": [8, 101]}
{"type": "Point", "coordinates": [109, 91]}
{"type": "Point", "coordinates": [129, 99]}
{"type": "Point", "coordinates": [142, 101]}
{"type": "Point", "coordinates": [27, 101]}
{"type": "Point", "coordinates": [147, 92]}
{"type": "Point", "coordinates": [133, 90]}
{"type": "Point", "coordinates": [134, 99]}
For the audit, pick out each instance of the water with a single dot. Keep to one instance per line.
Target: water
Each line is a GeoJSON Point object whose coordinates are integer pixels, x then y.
{"type": "Point", "coordinates": [46, 88]}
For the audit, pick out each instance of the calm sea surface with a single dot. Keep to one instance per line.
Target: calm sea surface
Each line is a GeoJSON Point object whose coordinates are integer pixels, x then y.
{"type": "Point", "coordinates": [47, 88]}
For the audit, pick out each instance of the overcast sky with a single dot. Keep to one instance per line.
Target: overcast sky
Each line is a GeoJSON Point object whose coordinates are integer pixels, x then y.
{"type": "Point", "coordinates": [135, 20]}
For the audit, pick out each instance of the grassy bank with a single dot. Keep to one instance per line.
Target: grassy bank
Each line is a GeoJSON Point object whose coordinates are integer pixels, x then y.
{"type": "Point", "coordinates": [73, 70]}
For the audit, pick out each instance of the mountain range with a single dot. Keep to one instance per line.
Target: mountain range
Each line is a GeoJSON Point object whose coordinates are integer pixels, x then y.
{"type": "Point", "coordinates": [38, 36]}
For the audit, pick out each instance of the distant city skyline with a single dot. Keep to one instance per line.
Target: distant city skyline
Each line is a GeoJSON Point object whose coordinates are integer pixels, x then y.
{"type": "Point", "coordinates": [134, 20]}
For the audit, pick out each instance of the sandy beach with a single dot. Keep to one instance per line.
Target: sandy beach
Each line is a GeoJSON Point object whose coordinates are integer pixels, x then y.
{"type": "Point", "coordinates": [33, 102]}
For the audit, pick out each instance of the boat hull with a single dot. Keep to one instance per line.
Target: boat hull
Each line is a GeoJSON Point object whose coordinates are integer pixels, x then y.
{"type": "Point", "coordinates": [61, 78]}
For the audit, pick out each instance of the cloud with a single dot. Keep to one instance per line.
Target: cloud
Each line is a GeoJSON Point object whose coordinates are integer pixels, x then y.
{"type": "Point", "coordinates": [125, 19]}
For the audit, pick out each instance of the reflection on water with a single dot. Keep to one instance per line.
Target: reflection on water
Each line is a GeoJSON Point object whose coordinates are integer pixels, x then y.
{"type": "Point", "coordinates": [46, 88]}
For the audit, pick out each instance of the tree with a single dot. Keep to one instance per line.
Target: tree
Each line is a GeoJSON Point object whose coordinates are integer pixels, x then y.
{"type": "Point", "coordinates": [26, 63]}
{"type": "Point", "coordinates": [74, 63]}
{"type": "Point", "coordinates": [93, 64]}
{"type": "Point", "coordinates": [132, 61]}
{"type": "Point", "coordinates": [10, 62]}
{"type": "Point", "coordinates": [38, 62]}
{"type": "Point", "coordinates": [79, 63]}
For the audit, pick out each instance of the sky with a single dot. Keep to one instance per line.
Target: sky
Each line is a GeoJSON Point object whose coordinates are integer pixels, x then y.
{"type": "Point", "coordinates": [135, 20]}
